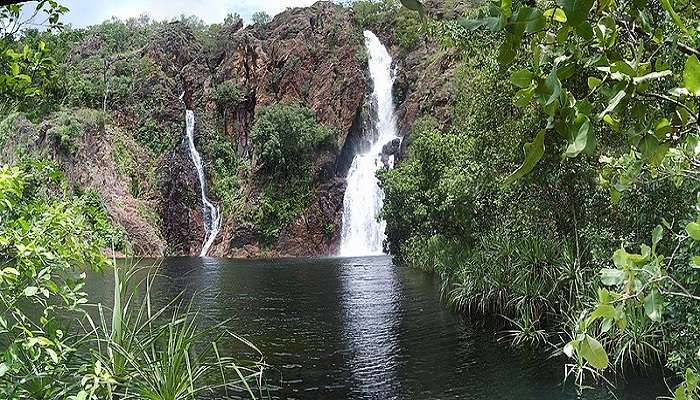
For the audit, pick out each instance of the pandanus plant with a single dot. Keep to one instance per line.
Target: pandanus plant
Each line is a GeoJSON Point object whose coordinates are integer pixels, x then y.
{"type": "Point", "coordinates": [162, 354]}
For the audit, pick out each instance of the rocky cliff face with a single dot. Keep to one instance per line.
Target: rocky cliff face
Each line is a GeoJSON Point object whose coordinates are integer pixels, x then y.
{"type": "Point", "coordinates": [89, 163]}
{"type": "Point", "coordinates": [140, 164]}
{"type": "Point", "coordinates": [307, 56]}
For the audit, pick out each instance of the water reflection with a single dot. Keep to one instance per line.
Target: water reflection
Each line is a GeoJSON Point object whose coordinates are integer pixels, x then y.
{"type": "Point", "coordinates": [360, 328]}
{"type": "Point", "coordinates": [372, 318]}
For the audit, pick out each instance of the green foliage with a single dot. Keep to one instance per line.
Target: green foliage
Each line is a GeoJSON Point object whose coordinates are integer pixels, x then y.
{"type": "Point", "coordinates": [689, 389]}
{"type": "Point", "coordinates": [261, 18]}
{"type": "Point", "coordinates": [47, 239]}
{"type": "Point", "coordinates": [25, 77]}
{"type": "Point", "coordinates": [361, 55]}
{"type": "Point", "coordinates": [65, 133]}
{"type": "Point", "coordinates": [150, 134]}
{"type": "Point", "coordinates": [640, 76]}
{"type": "Point", "coordinates": [112, 73]}
{"type": "Point", "coordinates": [132, 165]}
{"type": "Point", "coordinates": [50, 347]}
{"type": "Point", "coordinates": [533, 153]}
{"type": "Point", "coordinates": [66, 127]}
{"type": "Point", "coordinates": [28, 75]}
{"type": "Point", "coordinates": [8, 127]}
{"type": "Point", "coordinates": [161, 353]}
{"type": "Point", "coordinates": [95, 212]}
{"type": "Point", "coordinates": [227, 94]}
{"type": "Point", "coordinates": [227, 173]}
{"type": "Point", "coordinates": [426, 193]}
{"type": "Point", "coordinates": [280, 204]}
{"type": "Point", "coordinates": [532, 252]}
{"type": "Point", "coordinates": [285, 138]}
{"type": "Point", "coordinates": [405, 24]}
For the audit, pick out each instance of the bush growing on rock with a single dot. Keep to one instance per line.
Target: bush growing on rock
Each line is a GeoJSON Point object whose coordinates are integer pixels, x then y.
{"type": "Point", "coordinates": [227, 94]}
{"type": "Point", "coordinates": [66, 126]}
{"type": "Point", "coordinates": [389, 15]}
{"type": "Point", "coordinates": [285, 137]}
{"type": "Point", "coordinates": [261, 17]}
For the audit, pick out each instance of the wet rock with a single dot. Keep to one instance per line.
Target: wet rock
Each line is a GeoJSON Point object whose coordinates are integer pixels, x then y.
{"type": "Point", "coordinates": [317, 232]}
{"type": "Point", "coordinates": [181, 207]}
{"type": "Point", "coordinates": [389, 150]}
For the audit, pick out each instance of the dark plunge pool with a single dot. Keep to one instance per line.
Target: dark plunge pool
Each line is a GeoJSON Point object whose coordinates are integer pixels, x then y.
{"type": "Point", "coordinates": [362, 328]}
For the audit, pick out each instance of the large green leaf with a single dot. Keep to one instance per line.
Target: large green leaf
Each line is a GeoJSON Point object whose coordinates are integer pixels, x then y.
{"type": "Point", "coordinates": [528, 19]}
{"type": "Point", "coordinates": [523, 96]}
{"type": "Point", "coordinates": [653, 306]}
{"type": "Point", "coordinates": [693, 230]}
{"type": "Point", "coordinates": [691, 75]}
{"type": "Point", "coordinates": [522, 78]}
{"type": "Point", "coordinates": [506, 53]}
{"type": "Point", "coordinates": [656, 235]}
{"type": "Point", "coordinates": [581, 139]}
{"type": "Point", "coordinates": [623, 67]}
{"type": "Point", "coordinates": [414, 5]}
{"type": "Point", "coordinates": [604, 311]}
{"type": "Point", "coordinates": [553, 86]}
{"type": "Point", "coordinates": [576, 10]}
{"type": "Point", "coordinates": [507, 7]}
{"type": "Point", "coordinates": [666, 4]}
{"type": "Point", "coordinates": [648, 146]}
{"type": "Point", "coordinates": [533, 154]}
{"type": "Point", "coordinates": [612, 276]}
{"type": "Point", "coordinates": [614, 102]}
{"type": "Point", "coordinates": [593, 352]}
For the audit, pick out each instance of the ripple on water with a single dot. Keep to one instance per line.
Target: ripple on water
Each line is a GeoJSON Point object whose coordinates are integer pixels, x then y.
{"type": "Point", "coordinates": [361, 328]}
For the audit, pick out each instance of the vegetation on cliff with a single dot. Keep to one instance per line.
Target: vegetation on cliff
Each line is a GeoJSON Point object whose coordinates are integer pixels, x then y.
{"type": "Point", "coordinates": [285, 139]}
{"type": "Point", "coordinates": [134, 78]}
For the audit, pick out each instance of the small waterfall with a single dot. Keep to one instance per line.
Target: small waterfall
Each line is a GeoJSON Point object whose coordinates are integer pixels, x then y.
{"type": "Point", "coordinates": [212, 218]}
{"type": "Point", "coordinates": [363, 232]}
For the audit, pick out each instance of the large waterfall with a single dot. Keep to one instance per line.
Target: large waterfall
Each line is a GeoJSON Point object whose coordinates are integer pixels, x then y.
{"type": "Point", "coordinates": [210, 213]}
{"type": "Point", "coordinates": [363, 231]}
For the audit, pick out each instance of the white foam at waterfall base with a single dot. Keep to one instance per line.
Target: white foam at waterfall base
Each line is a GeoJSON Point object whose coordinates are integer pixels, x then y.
{"type": "Point", "coordinates": [363, 232]}
{"type": "Point", "coordinates": [210, 213]}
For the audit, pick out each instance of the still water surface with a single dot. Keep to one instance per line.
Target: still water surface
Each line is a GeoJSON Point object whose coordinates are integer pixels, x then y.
{"type": "Point", "coordinates": [362, 328]}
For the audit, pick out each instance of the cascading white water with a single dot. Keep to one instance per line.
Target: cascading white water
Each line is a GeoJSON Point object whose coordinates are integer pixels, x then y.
{"type": "Point", "coordinates": [212, 218]}
{"type": "Point", "coordinates": [363, 231]}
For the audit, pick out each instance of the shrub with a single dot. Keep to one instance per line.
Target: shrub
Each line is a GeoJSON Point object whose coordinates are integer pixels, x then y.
{"type": "Point", "coordinates": [227, 94]}
{"type": "Point", "coordinates": [95, 212]}
{"type": "Point", "coordinates": [279, 205]}
{"type": "Point", "coordinates": [149, 135]}
{"type": "Point", "coordinates": [65, 133]}
{"type": "Point", "coordinates": [285, 138]}
{"type": "Point", "coordinates": [8, 127]}
{"type": "Point", "coordinates": [51, 348]}
{"type": "Point", "coordinates": [67, 126]}
{"type": "Point", "coordinates": [131, 164]}
{"type": "Point", "coordinates": [388, 15]}
{"type": "Point", "coordinates": [225, 172]}
{"type": "Point", "coordinates": [261, 18]}
{"type": "Point", "coordinates": [532, 251]}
